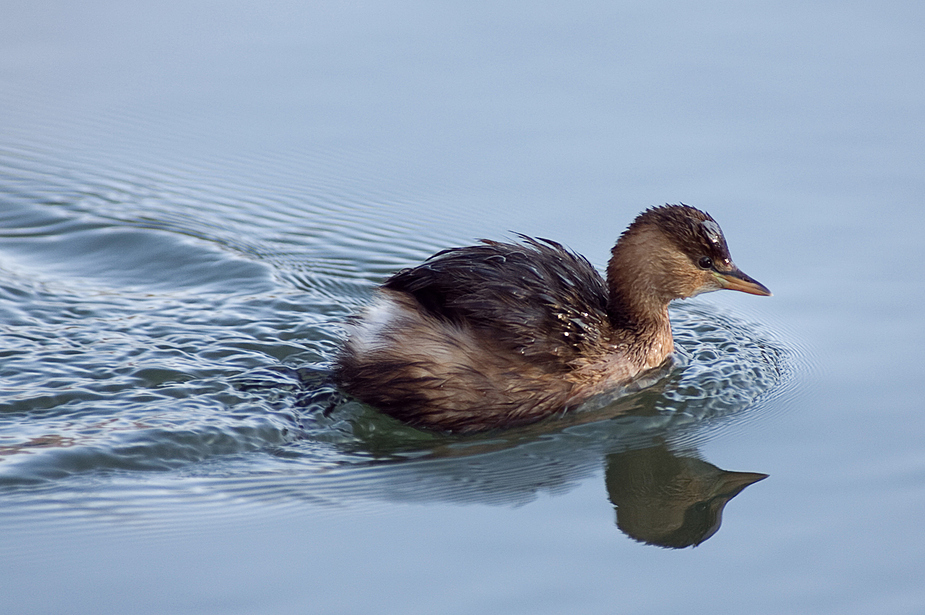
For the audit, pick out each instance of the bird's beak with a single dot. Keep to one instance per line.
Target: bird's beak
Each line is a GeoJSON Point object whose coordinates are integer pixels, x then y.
{"type": "Point", "coordinates": [735, 279]}
{"type": "Point", "coordinates": [734, 482]}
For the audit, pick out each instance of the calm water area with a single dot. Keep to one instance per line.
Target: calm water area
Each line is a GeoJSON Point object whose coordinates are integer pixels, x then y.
{"type": "Point", "coordinates": [195, 195]}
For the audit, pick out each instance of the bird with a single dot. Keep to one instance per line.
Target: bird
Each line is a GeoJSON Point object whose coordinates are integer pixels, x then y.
{"type": "Point", "coordinates": [501, 334]}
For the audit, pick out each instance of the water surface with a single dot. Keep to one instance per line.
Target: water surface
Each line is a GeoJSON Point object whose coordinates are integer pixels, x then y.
{"type": "Point", "coordinates": [193, 200]}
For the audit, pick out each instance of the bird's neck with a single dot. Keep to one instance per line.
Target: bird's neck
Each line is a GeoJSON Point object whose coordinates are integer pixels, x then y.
{"type": "Point", "coordinates": [636, 307]}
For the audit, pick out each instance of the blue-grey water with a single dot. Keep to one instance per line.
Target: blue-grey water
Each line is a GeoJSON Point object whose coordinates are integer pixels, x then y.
{"type": "Point", "coordinates": [194, 196]}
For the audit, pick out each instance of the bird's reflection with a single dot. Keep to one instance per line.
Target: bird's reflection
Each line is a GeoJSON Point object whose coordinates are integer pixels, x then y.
{"type": "Point", "coordinates": [670, 500]}
{"type": "Point", "coordinates": [662, 495]}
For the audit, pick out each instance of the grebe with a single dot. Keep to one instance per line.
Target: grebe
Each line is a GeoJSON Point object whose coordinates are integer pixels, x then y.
{"type": "Point", "coordinates": [502, 334]}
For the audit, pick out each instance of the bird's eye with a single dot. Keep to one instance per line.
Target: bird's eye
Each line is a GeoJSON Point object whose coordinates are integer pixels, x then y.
{"type": "Point", "coordinates": [705, 262]}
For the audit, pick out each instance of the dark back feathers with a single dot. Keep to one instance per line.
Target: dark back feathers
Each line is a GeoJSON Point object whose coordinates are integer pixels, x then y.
{"type": "Point", "coordinates": [536, 298]}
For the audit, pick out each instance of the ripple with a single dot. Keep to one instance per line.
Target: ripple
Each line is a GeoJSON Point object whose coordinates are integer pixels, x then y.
{"type": "Point", "coordinates": [177, 323]}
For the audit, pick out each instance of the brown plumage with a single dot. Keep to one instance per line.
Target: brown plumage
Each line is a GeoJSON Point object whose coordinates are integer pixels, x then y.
{"type": "Point", "coordinates": [501, 334]}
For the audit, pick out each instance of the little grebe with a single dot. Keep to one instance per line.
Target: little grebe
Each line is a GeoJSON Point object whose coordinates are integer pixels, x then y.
{"type": "Point", "coordinates": [500, 334]}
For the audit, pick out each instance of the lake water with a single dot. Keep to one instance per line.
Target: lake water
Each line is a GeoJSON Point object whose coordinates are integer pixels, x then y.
{"type": "Point", "coordinates": [193, 197]}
